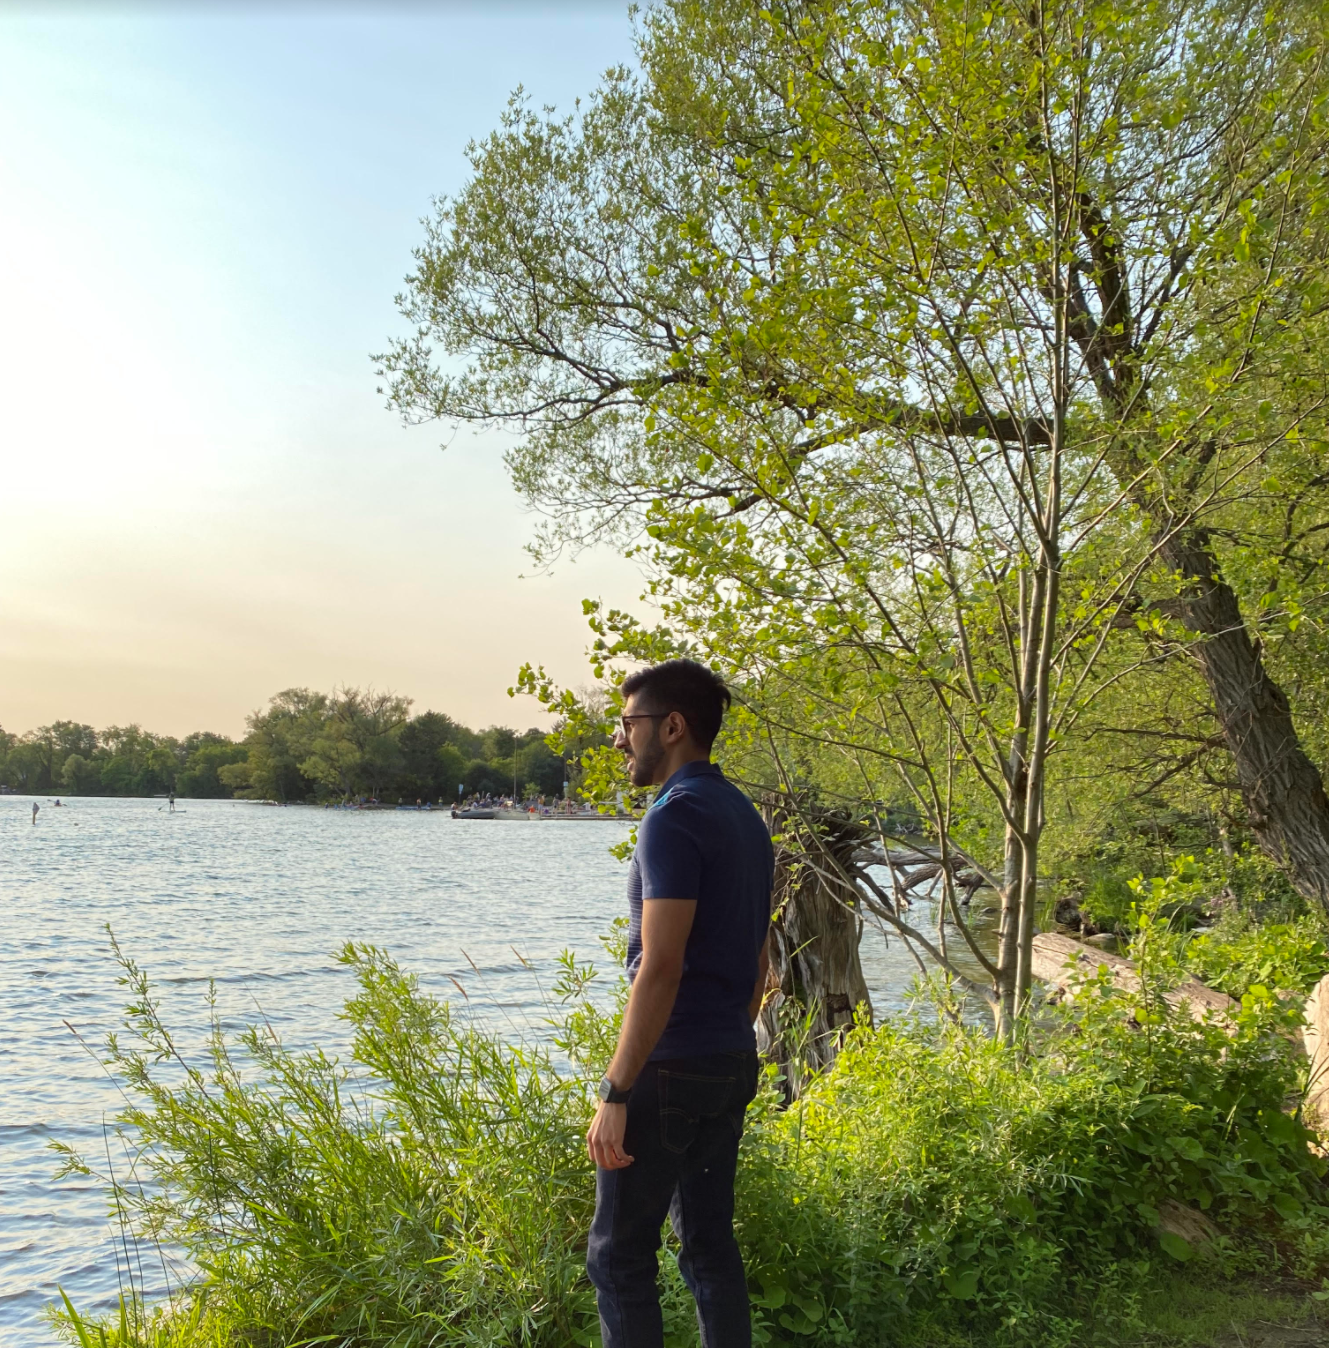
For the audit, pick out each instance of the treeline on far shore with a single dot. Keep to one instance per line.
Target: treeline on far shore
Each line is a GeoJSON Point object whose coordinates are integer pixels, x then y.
{"type": "Point", "coordinates": [304, 746]}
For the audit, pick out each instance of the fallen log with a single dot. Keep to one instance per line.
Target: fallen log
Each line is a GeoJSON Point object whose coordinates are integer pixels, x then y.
{"type": "Point", "coordinates": [1315, 1036]}
{"type": "Point", "coordinates": [1060, 961]}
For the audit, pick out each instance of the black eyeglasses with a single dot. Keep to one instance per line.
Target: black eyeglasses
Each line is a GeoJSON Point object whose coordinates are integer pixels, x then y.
{"type": "Point", "coordinates": [625, 721]}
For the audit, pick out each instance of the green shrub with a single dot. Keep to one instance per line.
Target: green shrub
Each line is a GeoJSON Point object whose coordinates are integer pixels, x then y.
{"type": "Point", "coordinates": [934, 1187]}
{"type": "Point", "coordinates": [1239, 953]}
{"type": "Point", "coordinates": [1256, 883]}
{"type": "Point", "coordinates": [442, 1197]}
{"type": "Point", "coordinates": [934, 1178]}
{"type": "Point", "coordinates": [1107, 903]}
{"type": "Point", "coordinates": [1247, 882]}
{"type": "Point", "coordinates": [1245, 951]}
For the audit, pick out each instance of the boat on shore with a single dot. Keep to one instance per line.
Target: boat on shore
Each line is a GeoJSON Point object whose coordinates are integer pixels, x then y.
{"type": "Point", "coordinates": [545, 815]}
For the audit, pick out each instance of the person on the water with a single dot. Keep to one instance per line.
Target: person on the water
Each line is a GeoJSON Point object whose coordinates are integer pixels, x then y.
{"type": "Point", "coordinates": [35, 808]}
{"type": "Point", "coordinates": [171, 799]}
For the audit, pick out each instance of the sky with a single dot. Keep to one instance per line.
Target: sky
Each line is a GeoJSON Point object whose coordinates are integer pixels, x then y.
{"type": "Point", "coordinates": [205, 213]}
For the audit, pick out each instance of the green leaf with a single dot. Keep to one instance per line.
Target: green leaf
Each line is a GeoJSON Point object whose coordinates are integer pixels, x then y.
{"type": "Point", "coordinates": [963, 1285]}
{"type": "Point", "coordinates": [84, 1338]}
{"type": "Point", "coordinates": [1020, 1206]}
{"type": "Point", "coordinates": [798, 1324]}
{"type": "Point", "coordinates": [812, 1309]}
{"type": "Point", "coordinates": [1287, 1207]}
{"type": "Point", "coordinates": [1187, 1147]}
{"type": "Point", "coordinates": [1175, 1245]}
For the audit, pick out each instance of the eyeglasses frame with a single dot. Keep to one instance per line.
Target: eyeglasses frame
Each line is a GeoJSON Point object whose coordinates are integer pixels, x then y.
{"type": "Point", "coordinates": [640, 716]}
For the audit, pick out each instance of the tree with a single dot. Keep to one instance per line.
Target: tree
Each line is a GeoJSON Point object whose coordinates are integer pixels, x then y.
{"type": "Point", "coordinates": [208, 756]}
{"type": "Point", "coordinates": [356, 750]}
{"type": "Point", "coordinates": [279, 741]}
{"type": "Point", "coordinates": [303, 745]}
{"type": "Point", "coordinates": [483, 778]}
{"type": "Point", "coordinates": [539, 769]}
{"type": "Point", "coordinates": [925, 348]}
{"type": "Point", "coordinates": [428, 772]}
{"type": "Point", "coordinates": [78, 777]}
{"type": "Point", "coordinates": [450, 770]}
{"type": "Point", "coordinates": [49, 747]}
{"type": "Point", "coordinates": [498, 742]}
{"type": "Point", "coordinates": [135, 762]}
{"type": "Point", "coordinates": [24, 765]}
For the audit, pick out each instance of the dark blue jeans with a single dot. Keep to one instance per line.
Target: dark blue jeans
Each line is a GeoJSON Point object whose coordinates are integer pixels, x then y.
{"type": "Point", "coordinates": [684, 1119]}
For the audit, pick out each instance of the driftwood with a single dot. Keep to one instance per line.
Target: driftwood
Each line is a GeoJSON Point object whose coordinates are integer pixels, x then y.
{"type": "Point", "coordinates": [1059, 961]}
{"type": "Point", "coordinates": [915, 865]}
{"type": "Point", "coordinates": [816, 985]}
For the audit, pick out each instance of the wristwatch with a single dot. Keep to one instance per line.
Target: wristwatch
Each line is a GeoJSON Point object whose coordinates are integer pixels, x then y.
{"type": "Point", "coordinates": [610, 1093]}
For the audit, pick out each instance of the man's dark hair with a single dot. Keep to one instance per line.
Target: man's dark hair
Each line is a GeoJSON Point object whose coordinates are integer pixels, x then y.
{"type": "Point", "coordinates": [698, 695]}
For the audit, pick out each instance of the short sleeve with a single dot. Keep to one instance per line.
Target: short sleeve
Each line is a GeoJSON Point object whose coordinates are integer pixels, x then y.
{"type": "Point", "coordinates": [668, 857]}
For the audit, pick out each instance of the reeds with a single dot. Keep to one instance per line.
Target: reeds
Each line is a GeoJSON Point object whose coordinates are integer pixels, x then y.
{"type": "Point", "coordinates": [933, 1187]}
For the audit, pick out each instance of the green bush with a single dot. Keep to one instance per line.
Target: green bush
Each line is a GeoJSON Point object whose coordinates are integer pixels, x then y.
{"type": "Point", "coordinates": [441, 1197]}
{"type": "Point", "coordinates": [1246, 882]}
{"type": "Point", "coordinates": [1239, 953]}
{"type": "Point", "coordinates": [1107, 903]}
{"type": "Point", "coordinates": [934, 1187]}
{"type": "Point", "coordinates": [934, 1178]}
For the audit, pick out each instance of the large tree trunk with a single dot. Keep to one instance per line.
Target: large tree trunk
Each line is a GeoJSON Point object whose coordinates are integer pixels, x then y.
{"type": "Point", "coordinates": [1281, 788]}
{"type": "Point", "coordinates": [816, 984]}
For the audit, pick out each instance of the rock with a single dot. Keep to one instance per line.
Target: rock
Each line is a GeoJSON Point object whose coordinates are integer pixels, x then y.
{"type": "Point", "coordinates": [1103, 940]}
{"type": "Point", "coordinates": [1067, 912]}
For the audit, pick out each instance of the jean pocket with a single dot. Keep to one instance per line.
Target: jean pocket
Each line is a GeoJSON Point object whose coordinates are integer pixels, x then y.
{"type": "Point", "coordinates": [685, 1100]}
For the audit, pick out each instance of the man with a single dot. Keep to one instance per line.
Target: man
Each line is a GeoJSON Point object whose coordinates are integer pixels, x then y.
{"type": "Point", "coordinates": [665, 1135]}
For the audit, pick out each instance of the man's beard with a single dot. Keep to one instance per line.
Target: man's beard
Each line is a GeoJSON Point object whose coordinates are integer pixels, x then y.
{"type": "Point", "coordinates": [641, 767]}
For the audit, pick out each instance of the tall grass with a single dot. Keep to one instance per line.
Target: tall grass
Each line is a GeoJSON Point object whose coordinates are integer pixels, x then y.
{"type": "Point", "coordinates": [933, 1187]}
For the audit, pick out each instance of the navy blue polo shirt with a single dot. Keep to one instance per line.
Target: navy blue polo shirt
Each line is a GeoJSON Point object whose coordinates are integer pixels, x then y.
{"type": "Point", "coordinates": [703, 839]}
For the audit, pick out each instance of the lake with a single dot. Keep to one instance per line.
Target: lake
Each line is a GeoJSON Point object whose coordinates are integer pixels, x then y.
{"type": "Point", "coordinates": [256, 898]}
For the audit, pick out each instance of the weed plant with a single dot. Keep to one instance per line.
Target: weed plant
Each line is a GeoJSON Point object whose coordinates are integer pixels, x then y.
{"type": "Point", "coordinates": [934, 1187]}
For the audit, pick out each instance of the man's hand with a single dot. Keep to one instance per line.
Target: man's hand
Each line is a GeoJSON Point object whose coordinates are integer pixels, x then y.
{"type": "Point", "coordinates": [604, 1138]}
{"type": "Point", "coordinates": [665, 924]}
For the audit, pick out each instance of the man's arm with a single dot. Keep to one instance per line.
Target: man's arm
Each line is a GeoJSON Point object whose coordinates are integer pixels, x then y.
{"type": "Point", "coordinates": [763, 973]}
{"type": "Point", "coordinates": [665, 924]}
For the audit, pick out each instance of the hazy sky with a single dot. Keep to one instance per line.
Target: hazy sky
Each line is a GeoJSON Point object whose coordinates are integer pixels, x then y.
{"type": "Point", "coordinates": [204, 216]}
